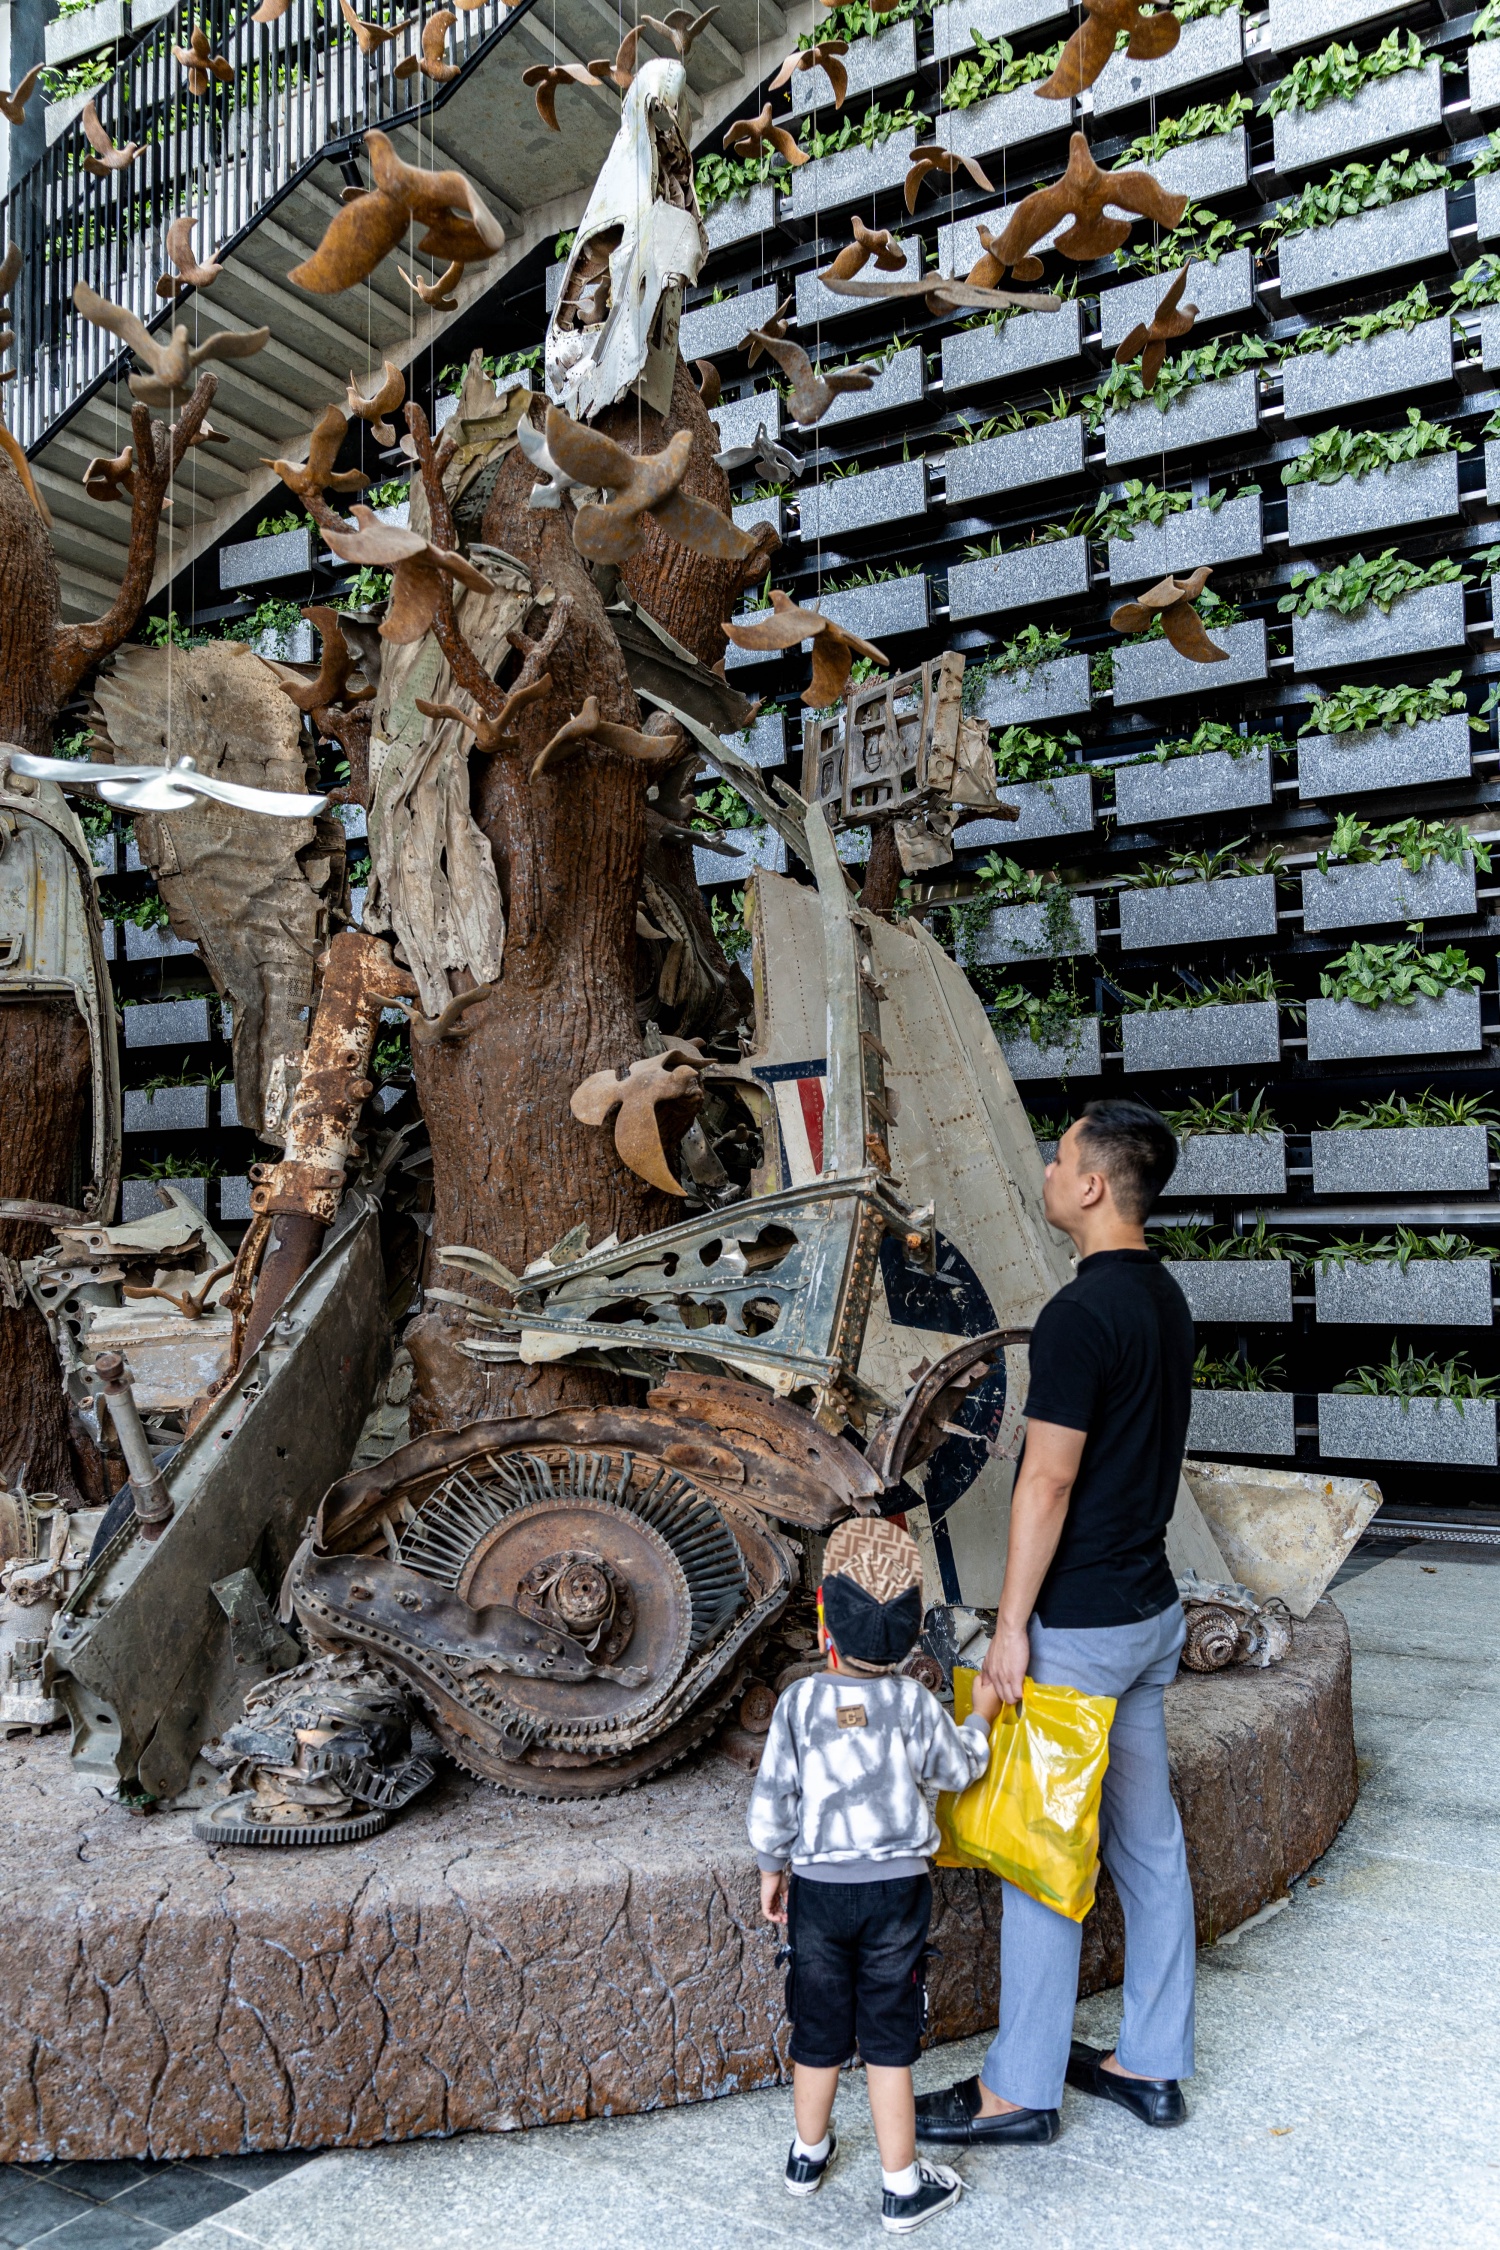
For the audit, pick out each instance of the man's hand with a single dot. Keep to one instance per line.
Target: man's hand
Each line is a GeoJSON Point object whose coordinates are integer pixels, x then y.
{"type": "Point", "coordinates": [1006, 1662]}
{"type": "Point", "coordinates": [986, 1699]}
{"type": "Point", "coordinates": [773, 1896]}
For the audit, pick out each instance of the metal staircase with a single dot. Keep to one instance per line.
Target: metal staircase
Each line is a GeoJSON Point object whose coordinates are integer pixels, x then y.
{"type": "Point", "coordinates": [263, 160]}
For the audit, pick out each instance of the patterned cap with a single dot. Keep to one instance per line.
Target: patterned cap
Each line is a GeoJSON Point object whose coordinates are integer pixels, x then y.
{"type": "Point", "coordinates": [876, 1554]}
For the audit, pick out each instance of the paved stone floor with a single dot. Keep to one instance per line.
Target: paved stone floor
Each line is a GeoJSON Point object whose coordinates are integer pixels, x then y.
{"type": "Point", "coordinates": [1348, 2090]}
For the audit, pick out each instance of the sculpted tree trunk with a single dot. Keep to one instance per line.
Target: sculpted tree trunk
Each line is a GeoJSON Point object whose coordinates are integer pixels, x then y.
{"type": "Point", "coordinates": [44, 1048]}
{"type": "Point", "coordinates": [513, 1170]}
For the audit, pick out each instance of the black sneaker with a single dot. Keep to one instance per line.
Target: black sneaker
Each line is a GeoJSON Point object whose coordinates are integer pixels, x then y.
{"type": "Point", "coordinates": [806, 2174]}
{"type": "Point", "coordinates": [936, 2188]}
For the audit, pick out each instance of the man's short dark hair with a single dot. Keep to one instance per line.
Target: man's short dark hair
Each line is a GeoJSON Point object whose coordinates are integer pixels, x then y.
{"type": "Point", "coordinates": [1136, 1150]}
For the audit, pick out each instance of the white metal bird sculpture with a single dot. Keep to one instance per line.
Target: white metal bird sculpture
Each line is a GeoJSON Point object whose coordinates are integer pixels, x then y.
{"type": "Point", "coordinates": [163, 788]}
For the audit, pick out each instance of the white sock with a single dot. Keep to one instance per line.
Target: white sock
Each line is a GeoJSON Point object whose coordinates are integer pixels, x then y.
{"type": "Point", "coordinates": [816, 2150]}
{"type": "Point", "coordinates": [900, 2183]}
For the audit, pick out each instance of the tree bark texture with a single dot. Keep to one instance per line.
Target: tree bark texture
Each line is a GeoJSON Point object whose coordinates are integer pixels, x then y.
{"type": "Point", "coordinates": [44, 1093]}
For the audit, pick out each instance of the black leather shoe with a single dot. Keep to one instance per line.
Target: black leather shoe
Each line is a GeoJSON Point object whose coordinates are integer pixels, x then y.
{"type": "Point", "coordinates": [1155, 2101]}
{"type": "Point", "coordinates": [952, 2118]}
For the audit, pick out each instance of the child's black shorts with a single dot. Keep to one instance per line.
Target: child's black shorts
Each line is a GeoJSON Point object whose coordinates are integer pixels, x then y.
{"type": "Point", "coordinates": [857, 1971]}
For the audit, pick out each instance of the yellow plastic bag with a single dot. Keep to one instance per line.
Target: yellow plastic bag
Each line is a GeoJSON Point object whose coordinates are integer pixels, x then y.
{"type": "Point", "coordinates": [1033, 1817]}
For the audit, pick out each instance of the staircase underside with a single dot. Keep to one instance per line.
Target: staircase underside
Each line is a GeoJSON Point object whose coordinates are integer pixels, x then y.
{"type": "Point", "coordinates": [535, 181]}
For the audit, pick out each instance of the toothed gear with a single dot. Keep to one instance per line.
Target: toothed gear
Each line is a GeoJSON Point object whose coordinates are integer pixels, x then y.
{"type": "Point", "coordinates": [226, 1823]}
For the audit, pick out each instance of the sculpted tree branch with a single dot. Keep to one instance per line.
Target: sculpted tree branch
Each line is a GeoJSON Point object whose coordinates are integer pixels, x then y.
{"type": "Point", "coordinates": [77, 649]}
{"type": "Point", "coordinates": [468, 672]}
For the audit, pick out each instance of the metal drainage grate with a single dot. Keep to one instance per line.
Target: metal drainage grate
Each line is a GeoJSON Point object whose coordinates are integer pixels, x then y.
{"type": "Point", "coordinates": [1449, 1532]}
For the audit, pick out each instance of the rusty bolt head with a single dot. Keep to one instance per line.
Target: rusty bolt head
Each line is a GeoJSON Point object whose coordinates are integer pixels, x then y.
{"type": "Point", "coordinates": [110, 1369]}
{"type": "Point", "coordinates": [756, 1708]}
{"type": "Point", "coordinates": [362, 1089]}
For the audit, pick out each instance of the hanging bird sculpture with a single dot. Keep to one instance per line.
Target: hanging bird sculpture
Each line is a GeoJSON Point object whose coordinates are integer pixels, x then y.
{"type": "Point", "coordinates": [419, 570]}
{"type": "Point", "coordinates": [661, 748]}
{"type": "Point", "coordinates": [170, 788]}
{"type": "Point", "coordinates": [929, 159]}
{"type": "Point", "coordinates": [381, 404]}
{"type": "Point", "coordinates": [190, 273]}
{"type": "Point", "coordinates": [171, 365]}
{"type": "Point", "coordinates": [1080, 196]}
{"type": "Point", "coordinates": [869, 243]}
{"type": "Point", "coordinates": [833, 647]}
{"type": "Point", "coordinates": [312, 478]}
{"type": "Point", "coordinates": [812, 391]}
{"type": "Point", "coordinates": [110, 480]}
{"type": "Point", "coordinates": [371, 37]}
{"type": "Point", "coordinates": [361, 233]}
{"type": "Point", "coordinates": [747, 138]}
{"type": "Point", "coordinates": [201, 64]}
{"type": "Point", "coordinates": [773, 331]}
{"type": "Point", "coordinates": [825, 56]}
{"type": "Point", "coordinates": [1172, 601]}
{"type": "Point", "coordinates": [439, 293]}
{"type": "Point", "coordinates": [13, 105]}
{"type": "Point", "coordinates": [1092, 44]}
{"type": "Point", "coordinates": [671, 1079]}
{"type": "Point", "coordinates": [337, 665]}
{"type": "Point", "coordinates": [680, 29]}
{"type": "Point", "coordinates": [1148, 340]}
{"type": "Point", "coordinates": [430, 61]}
{"type": "Point", "coordinates": [639, 484]}
{"type": "Point", "coordinates": [106, 157]}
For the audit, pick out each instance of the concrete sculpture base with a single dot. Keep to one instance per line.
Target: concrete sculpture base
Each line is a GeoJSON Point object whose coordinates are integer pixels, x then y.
{"type": "Point", "coordinates": [490, 1963]}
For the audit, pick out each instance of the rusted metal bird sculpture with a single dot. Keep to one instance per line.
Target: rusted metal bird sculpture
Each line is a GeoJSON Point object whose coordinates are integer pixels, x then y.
{"type": "Point", "coordinates": [639, 485]}
{"type": "Point", "coordinates": [930, 160]}
{"type": "Point", "coordinates": [191, 272]}
{"type": "Point", "coordinates": [680, 28]}
{"type": "Point", "coordinates": [747, 138]}
{"type": "Point", "coordinates": [671, 1080]}
{"type": "Point", "coordinates": [371, 37]}
{"type": "Point", "coordinates": [812, 391]}
{"type": "Point", "coordinates": [834, 648]}
{"type": "Point", "coordinates": [1092, 44]}
{"type": "Point", "coordinates": [361, 233]}
{"type": "Point", "coordinates": [826, 56]}
{"type": "Point", "coordinates": [106, 157]}
{"type": "Point", "coordinates": [171, 364]}
{"type": "Point", "coordinates": [869, 243]}
{"type": "Point", "coordinates": [107, 479]}
{"type": "Point", "coordinates": [315, 476]}
{"type": "Point", "coordinates": [419, 569]}
{"type": "Point", "coordinates": [439, 293]}
{"type": "Point", "coordinates": [13, 105]}
{"type": "Point", "coordinates": [1172, 599]}
{"type": "Point", "coordinates": [431, 61]}
{"type": "Point", "coordinates": [202, 65]}
{"type": "Point", "coordinates": [381, 404]}
{"type": "Point", "coordinates": [652, 749]}
{"type": "Point", "coordinates": [1148, 340]}
{"type": "Point", "coordinates": [771, 332]}
{"type": "Point", "coordinates": [1080, 196]}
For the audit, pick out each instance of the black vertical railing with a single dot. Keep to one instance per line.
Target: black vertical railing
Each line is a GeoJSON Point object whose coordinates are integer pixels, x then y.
{"type": "Point", "coordinates": [300, 89]}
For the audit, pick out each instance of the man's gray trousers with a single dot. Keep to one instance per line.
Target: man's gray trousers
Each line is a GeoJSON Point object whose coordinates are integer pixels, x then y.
{"type": "Point", "coordinates": [1140, 1841]}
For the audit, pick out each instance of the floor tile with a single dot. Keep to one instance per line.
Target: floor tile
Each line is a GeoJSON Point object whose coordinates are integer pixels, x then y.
{"type": "Point", "coordinates": [29, 2207]}
{"type": "Point", "coordinates": [178, 2198]}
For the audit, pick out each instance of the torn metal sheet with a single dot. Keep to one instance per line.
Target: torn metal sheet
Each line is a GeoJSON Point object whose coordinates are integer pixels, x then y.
{"type": "Point", "coordinates": [254, 896]}
{"type": "Point", "coordinates": [142, 1653]}
{"type": "Point", "coordinates": [433, 884]}
{"type": "Point", "coordinates": [663, 671]}
{"type": "Point", "coordinates": [1283, 1532]}
{"type": "Point", "coordinates": [640, 241]}
{"type": "Point", "coordinates": [52, 941]}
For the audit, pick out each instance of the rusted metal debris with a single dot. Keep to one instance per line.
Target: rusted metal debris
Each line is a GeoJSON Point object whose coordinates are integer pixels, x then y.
{"type": "Point", "coordinates": [1227, 1625]}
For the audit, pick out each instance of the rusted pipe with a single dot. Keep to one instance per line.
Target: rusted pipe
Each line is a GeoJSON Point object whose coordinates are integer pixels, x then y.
{"type": "Point", "coordinates": [301, 1194]}
{"type": "Point", "coordinates": [153, 1502]}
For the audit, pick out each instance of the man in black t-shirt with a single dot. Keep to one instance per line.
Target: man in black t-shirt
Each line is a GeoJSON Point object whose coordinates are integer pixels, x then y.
{"type": "Point", "coordinates": [1090, 1602]}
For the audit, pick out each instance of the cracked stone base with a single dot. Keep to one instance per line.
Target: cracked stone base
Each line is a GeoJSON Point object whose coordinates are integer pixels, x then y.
{"type": "Point", "coordinates": [491, 1963]}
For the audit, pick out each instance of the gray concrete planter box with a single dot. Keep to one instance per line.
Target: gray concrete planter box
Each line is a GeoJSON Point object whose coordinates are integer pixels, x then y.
{"type": "Point", "coordinates": [71, 36]}
{"type": "Point", "coordinates": [764, 743]}
{"type": "Point", "coordinates": [1492, 471]}
{"type": "Point", "coordinates": [1019, 346]}
{"type": "Point", "coordinates": [139, 1199]}
{"type": "Point", "coordinates": [1349, 765]}
{"type": "Point", "coordinates": [1064, 807]}
{"type": "Point", "coordinates": [1348, 897]}
{"type": "Point", "coordinates": [1263, 1422]}
{"type": "Point", "coordinates": [1344, 1031]}
{"type": "Point", "coordinates": [1357, 1428]}
{"type": "Point", "coordinates": [1232, 532]}
{"type": "Point", "coordinates": [1019, 933]}
{"type": "Point", "coordinates": [738, 419]}
{"type": "Point", "coordinates": [1310, 23]}
{"type": "Point", "coordinates": [1077, 1058]}
{"type": "Point", "coordinates": [880, 61]}
{"type": "Point", "coordinates": [844, 505]}
{"type": "Point", "coordinates": [1408, 492]}
{"type": "Point", "coordinates": [171, 1109]}
{"type": "Point", "coordinates": [818, 305]}
{"type": "Point", "coordinates": [1431, 1293]}
{"type": "Point", "coordinates": [1413, 233]}
{"type": "Point", "coordinates": [1152, 671]}
{"type": "Point", "coordinates": [1209, 414]}
{"type": "Point", "coordinates": [903, 605]}
{"type": "Point", "coordinates": [1218, 913]}
{"type": "Point", "coordinates": [1393, 365]}
{"type": "Point", "coordinates": [1229, 1164]}
{"type": "Point", "coordinates": [1487, 207]}
{"type": "Point", "coordinates": [1219, 165]}
{"type": "Point", "coordinates": [1231, 1290]}
{"type": "Point", "coordinates": [1059, 690]}
{"type": "Point", "coordinates": [1188, 788]}
{"type": "Point", "coordinates": [832, 183]}
{"type": "Point", "coordinates": [153, 945]}
{"type": "Point", "coordinates": [1046, 455]}
{"type": "Point", "coordinates": [229, 1108]}
{"type": "Point", "coordinates": [1207, 49]}
{"type": "Point", "coordinates": [1383, 112]}
{"type": "Point", "coordinates": [712, 329]}
{"type": "Point", "coordinates": [103, 851]}
{"type": "Point", "coordinates": [741, 217]}
{"type": "Point", "coordinates": [1005, 121]}
{"type": "Point", "coordinates": [903, 383]}
{"type": "Point", "coordinates": [166, 1023]}
{"type": "Point", "coordinates": [1484, 75]}
{"type": "Point", "coordinates": [748, 513]}
{"type": "Point", "coordinates": [753, 848]}
{"type": "Point", "coordinates": [1058, 571]}
{"type": "Point", "coordinates": [1430, 618]}
{"type": "Point", "coordinates": [1225, 291]}
{"type": "Point", "coordinates": [1239, 1031]}
{"type": "Point", "coordinates": [234, 1199]}
{"type": "Point", "coordinates": [1402, 1160]}
{"type": "Point", "coordinates": [954, 22]}
{"type": "Point", "coordinates": [1489, 338]}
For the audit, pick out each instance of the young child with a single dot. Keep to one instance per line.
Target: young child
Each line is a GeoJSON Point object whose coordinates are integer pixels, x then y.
{"type": "Point", "coordinates": [842, 1833]}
